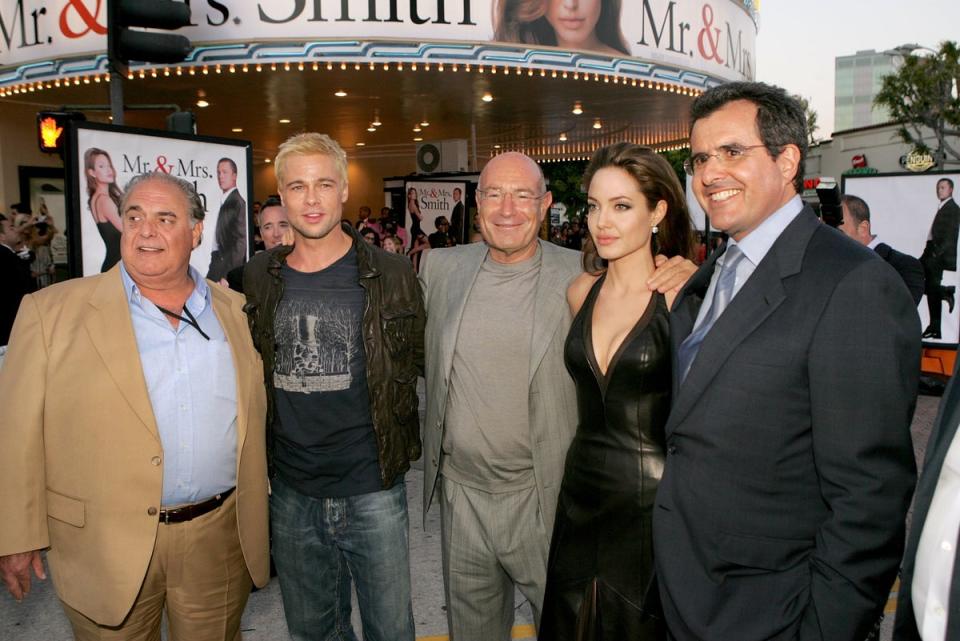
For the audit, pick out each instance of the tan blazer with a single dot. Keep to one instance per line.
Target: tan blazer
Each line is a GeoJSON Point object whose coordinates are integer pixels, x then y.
{"type": "Point", "coordinates": [447, 276]}
{"type": "Point", "coordinates": [80, 454]}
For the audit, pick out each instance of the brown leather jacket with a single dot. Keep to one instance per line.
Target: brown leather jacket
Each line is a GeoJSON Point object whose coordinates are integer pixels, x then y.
{"type": "Point", "coordinates": [393, 322]}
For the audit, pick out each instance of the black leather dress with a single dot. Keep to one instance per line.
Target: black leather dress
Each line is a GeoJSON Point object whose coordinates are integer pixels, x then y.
{"type": "Point", "coordinates": [601, 557]}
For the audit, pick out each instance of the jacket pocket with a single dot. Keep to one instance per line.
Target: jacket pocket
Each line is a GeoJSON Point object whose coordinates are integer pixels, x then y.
{"type": "Point", "coordinates": [64, 508]}
{"type": "Point", "coordinates": [761, 552]}
{"type": "Point", "coordinates": [397, 325]}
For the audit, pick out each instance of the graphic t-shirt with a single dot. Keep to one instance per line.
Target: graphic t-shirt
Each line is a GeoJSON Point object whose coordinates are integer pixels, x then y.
{"type": "Point", "coordinates": [324, 439]}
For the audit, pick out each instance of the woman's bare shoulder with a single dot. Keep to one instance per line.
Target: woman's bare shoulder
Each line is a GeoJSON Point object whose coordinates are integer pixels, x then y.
{"type": "Point", "coordinates": [578, 290]}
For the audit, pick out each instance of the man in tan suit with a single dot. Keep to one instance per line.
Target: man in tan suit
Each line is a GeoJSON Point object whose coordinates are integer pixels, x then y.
{"type": "Point", "coordinates": [132, 447]}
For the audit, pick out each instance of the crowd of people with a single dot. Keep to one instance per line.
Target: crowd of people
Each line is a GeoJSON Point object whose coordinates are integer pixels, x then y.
{"type": "Point", "coordinates": [644, 448]}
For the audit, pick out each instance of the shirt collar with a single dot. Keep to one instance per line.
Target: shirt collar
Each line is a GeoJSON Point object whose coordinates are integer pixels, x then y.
{"type": "Point", "coordinates": [873, 243]}
{"type": "Point", "coordinates": [197, 301]}
{"type": "Point", "coordinates": [757, 243]}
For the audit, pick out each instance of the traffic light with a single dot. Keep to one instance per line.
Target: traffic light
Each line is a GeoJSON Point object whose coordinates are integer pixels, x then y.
{"type": "Point", "coordinates": [52, 129]}
{"type": "Point", "coordinates": [125, 44]}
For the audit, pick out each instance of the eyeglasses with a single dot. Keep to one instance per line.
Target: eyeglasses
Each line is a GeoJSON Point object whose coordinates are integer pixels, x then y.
{"type": "Point", "coordinates": [521, 198]}
{"type": "Point", "coordinates": [727, 155]}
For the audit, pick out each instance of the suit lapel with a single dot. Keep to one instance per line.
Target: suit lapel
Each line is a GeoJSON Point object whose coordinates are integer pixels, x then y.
{"type": "Point", "coordinates": [549, 306]}
{"type": "Point", "coordinates": [683, 315]}
{"type": "Point", "coordinates": [234, 329]}
{"type": "Point", "coordinates": [111, 331]}
{"type": "Point", "coordinates": [757, 299]}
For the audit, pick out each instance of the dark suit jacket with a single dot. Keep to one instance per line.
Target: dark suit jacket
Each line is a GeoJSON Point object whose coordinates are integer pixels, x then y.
{"type": "Point", "coordinates": [789, 466]}
{"type": "Point", "coordinates": [231, 237]}
{"type": "Point", "coordinates": [15, 283]}
{"type": "Point", "coordinates": [944, 430]}
{"type": "Point", "coordinates": [456, 223]}
{"type": "Point", "coordinates": [909, 268]}
{"type": "Point", "coordinates": [942, 246]}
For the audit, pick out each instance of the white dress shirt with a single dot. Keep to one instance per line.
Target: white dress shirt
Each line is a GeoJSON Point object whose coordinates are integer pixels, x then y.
{"type": "Point", "coordinates": [936, 551]}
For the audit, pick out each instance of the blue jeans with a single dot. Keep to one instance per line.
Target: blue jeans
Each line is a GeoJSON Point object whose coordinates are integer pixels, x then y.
{"type": "Point", "coordinates": [319, 544]}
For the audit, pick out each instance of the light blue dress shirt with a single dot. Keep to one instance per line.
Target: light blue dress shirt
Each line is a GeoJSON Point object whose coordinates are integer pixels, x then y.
{"type": "Point", "coordinates": [192, 386]}
{"type": "Point", "coordinates": [754, 246]}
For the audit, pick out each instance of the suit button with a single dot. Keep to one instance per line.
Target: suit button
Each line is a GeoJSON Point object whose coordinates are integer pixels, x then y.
{"type": "Point", "coordinates": [672, 449]}
{"type": "Point", "coordinates": [152, 511]}
{"type": "Point", "coordinates": [155, 460]}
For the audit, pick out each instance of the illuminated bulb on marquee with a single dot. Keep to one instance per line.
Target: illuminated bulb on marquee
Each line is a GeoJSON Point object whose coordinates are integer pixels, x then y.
{"type": "Point", "coordinates": [577, 108]}
{"type": "Point", "coordinates": [487, 97]}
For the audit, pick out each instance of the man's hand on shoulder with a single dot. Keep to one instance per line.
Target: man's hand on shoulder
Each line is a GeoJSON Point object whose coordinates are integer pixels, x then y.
{"type": "Point", "coordinates": [15, 571]}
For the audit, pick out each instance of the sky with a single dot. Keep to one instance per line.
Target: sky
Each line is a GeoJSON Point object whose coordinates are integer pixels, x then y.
{"type": "Point", "coordinates": [798, 40]}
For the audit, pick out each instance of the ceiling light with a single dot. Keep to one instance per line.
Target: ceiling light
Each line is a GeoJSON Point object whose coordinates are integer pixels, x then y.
{"type": "Point", "coordinates": [376, 119]}
{"type": "Point", "coordinates": [284, 121]}
{"type": "Point", "coordinates": [202, 103]}
{"type": "Point", "coordinates": [417, 129]}
{"type": "Point", "coordinates": [496, 146]}
{"type": "Point", "coordinates": [340, 93]}
{"type": "Point", "coordinates": [371, 128]}
{"type": "Point", "coordinates": [267, 161]}
{"type": "Point", "coordinates": [487, 97]}
{"type": "Point", "coordinates": [418, 139]}
{"type": "Point", "coordinates": [361, 144]}
{"type": "Point", "coordinates": [596, 124]}
{"type": "Point", "coordinates": [577, 108]}
{"type": "Point", "coordinates": [563, 137]}
{"type": "Point", "coordinates": [424, 123]}
{"type": "Point", "coordinates": [237, 130]}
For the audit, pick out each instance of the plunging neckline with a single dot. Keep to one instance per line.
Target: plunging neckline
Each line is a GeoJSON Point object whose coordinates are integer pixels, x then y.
{"type": "Point", "coordinates": [603, 378]}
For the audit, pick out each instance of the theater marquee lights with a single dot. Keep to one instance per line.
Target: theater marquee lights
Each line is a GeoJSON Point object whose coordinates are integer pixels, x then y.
{"type": "Point", "coordinates": [686, 45]}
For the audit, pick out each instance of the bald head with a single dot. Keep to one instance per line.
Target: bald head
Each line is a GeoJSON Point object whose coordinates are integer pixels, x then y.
{"type": "Point", "coordinates": [516, 162]}
{"type": "Point", "coordinates": [512, 202]}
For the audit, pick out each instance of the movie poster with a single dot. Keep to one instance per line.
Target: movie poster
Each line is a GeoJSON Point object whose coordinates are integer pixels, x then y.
{"type": "Point", "coordinates": [429, 202]}
{"type": "Point", "coordinates": [918, 214]}
{"type": "Point", "coordinates": [105, 158]}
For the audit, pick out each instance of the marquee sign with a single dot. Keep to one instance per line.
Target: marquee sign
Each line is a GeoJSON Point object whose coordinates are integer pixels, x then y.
{"type": "Point", "coordinates": [711, 37]}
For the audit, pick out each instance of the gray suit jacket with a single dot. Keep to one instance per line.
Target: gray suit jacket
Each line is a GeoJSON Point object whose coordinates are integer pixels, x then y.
{"type": "Point", "coordinates": [447, 276]}
{"type": "Point", "coordinates": [780, 514]}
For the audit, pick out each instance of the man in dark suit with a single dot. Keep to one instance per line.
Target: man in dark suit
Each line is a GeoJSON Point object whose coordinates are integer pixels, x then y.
{"type": "Point", "coordinates": [927, 605]}
{"type": "Point", "coordinates": [15, 280]}
{"type": "Point", "coordinates": [789, 468]}
{"type": "Point", "coordinates": [230, 250]}
{"type": "Point", "coordinates": [456, 217]}
{"type": "Point", "coordinates": [940, 255]}
{"type": "Point", "coordinates": [856, 225]}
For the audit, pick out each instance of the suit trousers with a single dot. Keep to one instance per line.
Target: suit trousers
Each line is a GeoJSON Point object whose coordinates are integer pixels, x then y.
{"type": "Point", "coordinates": [490, 544]}
{"type": "Point", "coordinates": [197, 573]}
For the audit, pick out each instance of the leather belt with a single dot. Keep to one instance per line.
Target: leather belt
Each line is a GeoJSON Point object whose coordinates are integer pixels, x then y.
{"type": "Point", "coordinates": [189, 512]}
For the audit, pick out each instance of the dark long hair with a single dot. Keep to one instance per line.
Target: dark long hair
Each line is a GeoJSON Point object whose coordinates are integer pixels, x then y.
{"type": "Point", "coordinates": [89, 159]}
{"type": "Point", "coordinates": [657, 181]}
{"type": "Point", "coordinates": [526, 21]}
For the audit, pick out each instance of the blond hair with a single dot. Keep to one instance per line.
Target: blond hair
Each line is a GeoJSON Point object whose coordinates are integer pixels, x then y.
{"type": "Point", "coordinates": [309, 144]}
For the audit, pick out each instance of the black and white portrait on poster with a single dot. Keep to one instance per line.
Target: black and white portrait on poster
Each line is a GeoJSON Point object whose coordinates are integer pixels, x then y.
{"type": "Point", "coordinates": [106, 158]}
{"type": "Point", "coordinates": [917, 214]}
